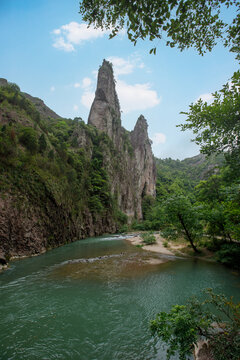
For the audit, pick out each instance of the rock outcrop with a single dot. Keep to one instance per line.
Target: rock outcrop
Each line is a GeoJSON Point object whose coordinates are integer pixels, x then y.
{"type": "Point", "coordinates": [144, 163]}
{"type": "Point", "coordinates": [137, 176]}
{"type": "Point", "coordinates": [202, 351]}
{"type": "Point", "coordinates": [3, 82]}
{"type": "Point", "coordinates": [105, 111]}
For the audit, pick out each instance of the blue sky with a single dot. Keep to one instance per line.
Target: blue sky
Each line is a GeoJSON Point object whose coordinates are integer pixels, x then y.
{"type": "Point", "coordinates": [48, 51]}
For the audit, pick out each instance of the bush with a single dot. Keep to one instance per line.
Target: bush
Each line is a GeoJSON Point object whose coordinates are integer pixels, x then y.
{"type": "Point", "coordinates": [148, 238]}
{"type": "Point", "coordinates": [229, 254]}
{"type": "Point", "coordinates": [8, 148]}
{"type": "Point", "coordinates": [121, 218]}
{"type": "Point", "coordinates": [28, 138]}
{"type": "Point", "coordinates": [184, 325]}
{"type": "Point", "coordinates": [42, 143]}
{"type": "Point", "coordinates": [147, 204]}
{"type": "Point", "coordinates": [123, 229]}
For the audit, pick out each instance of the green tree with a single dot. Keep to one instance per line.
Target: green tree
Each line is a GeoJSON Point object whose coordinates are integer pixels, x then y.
{"type": "Point", "coordinates": [28, 138]}
{"type": "Point", "coordinates": [42, 143]}
{"type": "Point", "coordinates": [51, 155]}
{"type": "Point", "coordinates": [14, 87]}
{"type": "Point", "coordinates": [147, 204]}
{"type": "Point", "coordinates": [185, 23]}
{"type": "Point", "coordinates": [182, 218]}
{"type": "Point", "coordinates": [184, 325]}
{"type": "Point", "coordinates": [217, 125]}
{"type": "Point", "coordinates": [8, 145]}
{"type": "Point", "coordinates": [221, 206]}
{"type": "Point", "coordinates": [210, 189]}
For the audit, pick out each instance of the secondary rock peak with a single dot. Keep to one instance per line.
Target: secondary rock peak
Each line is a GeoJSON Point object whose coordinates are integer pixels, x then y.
{"type": "Point", "coordinates": [140, 133]}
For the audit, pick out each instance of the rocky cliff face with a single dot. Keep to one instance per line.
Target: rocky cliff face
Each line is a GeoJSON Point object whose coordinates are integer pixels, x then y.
{"type": "Point", "coordinates": [137, 176]}
{"type": "Point", "coordinates": [145, 177]}
{"type": "Point", "coordinates": [71, 180]}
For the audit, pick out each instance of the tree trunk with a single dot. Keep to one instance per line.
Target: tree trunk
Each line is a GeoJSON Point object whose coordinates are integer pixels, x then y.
{"type": "Point", "coordinates": [187, 233]}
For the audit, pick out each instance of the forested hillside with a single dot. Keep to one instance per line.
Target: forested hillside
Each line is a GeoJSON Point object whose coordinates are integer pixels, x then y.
{"type": "Point", "coordinates": [197, 199]}
{"type": "Point", "coordinates": [174, 175]}
{"type": "Point", "coordinates": [53, 189]}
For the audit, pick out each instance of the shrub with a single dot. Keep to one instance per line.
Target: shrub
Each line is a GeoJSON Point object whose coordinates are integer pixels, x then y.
{"type": "Point", "coordinates": [42, 143]}
{"type": "Point", "coordinates": [229, 254]}
{"type": "Point", "coordinates": [148, 238]}
{"type": "Point", "coordinates": [28, 138]}
{"type": "Point", "coordinates": [123, 229]}
{"type": "Point", "coordinates": [184, 325]}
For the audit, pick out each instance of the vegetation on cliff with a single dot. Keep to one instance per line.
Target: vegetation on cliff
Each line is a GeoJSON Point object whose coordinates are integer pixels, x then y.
{"type": "Point", "coordinates": [50, 179]}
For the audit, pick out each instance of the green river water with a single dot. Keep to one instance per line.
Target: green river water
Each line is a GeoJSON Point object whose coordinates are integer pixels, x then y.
{"type": "Point", "coordinates": [93, 299]}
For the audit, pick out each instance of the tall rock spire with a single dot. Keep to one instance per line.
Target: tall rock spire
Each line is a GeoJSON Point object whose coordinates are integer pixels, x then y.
{"type": "Point", "coordinates": [105, 111]}
{"type": "Point", "coordinates": [131, 167]}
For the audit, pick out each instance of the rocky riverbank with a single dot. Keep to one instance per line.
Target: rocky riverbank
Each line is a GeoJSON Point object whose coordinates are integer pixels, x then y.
{"type": "Point", "coordinates": [3, 262]}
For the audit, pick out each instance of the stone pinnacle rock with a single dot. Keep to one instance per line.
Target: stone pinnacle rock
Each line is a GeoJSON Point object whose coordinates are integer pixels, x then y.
{"type": "Point", "coordinates": [105, 111]}
{"type": "Point", "coordinates": [144, 162]}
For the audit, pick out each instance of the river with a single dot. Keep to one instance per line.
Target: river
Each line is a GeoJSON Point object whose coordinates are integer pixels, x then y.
{"type": "Point", "coordinates": [93, 300]}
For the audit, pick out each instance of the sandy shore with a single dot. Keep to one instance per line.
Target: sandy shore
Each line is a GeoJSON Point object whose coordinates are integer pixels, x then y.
{"type": "Point", "coordinates": [157, 247]}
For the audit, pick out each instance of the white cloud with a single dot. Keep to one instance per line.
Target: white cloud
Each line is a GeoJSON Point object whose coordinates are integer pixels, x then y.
{"type": "Point", "coordinates": [57, 31]}
{"type": "Point", "coordinates": [75, 107]}
{"type": "Point", "coordinates": [86, 83]}
{"type": "Point", "coordinates": [87, 99]}
{"type": "Point", "coordinates": [88, 93]}
{"type": "Point", "coordinates": [74, 33]}
{"type": "Point", "coordinates": [158, 138]}
{"type": "Point", "coordinates": [61, 44]}
{"type": "Point", "coordinates": [122, 66]}
{"type": "Point", "coordinates": [95, 73]}
{"type": "Point", "coordinates": [136, 97]}
{"type": "Point", "coordinates": [52, 88]}
{"type": "Point", "coordinates": [205, 98]}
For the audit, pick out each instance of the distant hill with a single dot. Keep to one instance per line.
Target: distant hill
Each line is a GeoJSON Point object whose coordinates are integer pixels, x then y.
{"type": "Point", "coordinates": [185, 174]}
{"type": "Point", "coordinates": [41, 107]}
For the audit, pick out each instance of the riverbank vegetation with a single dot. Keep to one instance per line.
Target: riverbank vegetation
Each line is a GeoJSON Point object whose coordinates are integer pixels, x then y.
{"type": "Point", "coordinates": [199, 198]}
{"type": "Point", "coordinates": [185, 325]}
